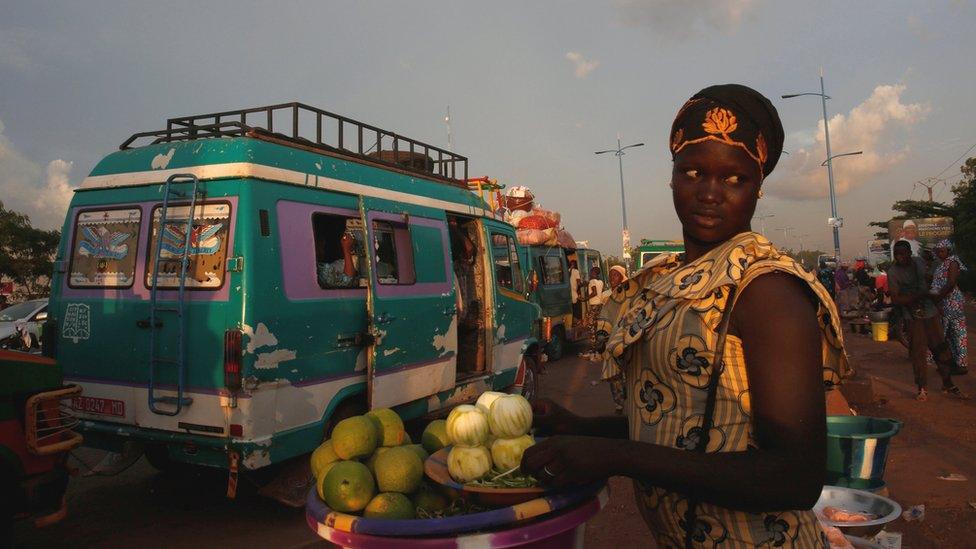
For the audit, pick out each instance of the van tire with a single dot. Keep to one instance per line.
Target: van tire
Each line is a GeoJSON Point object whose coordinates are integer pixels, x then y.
{"type": "Point", "coordinates": [158, 457]}
{"type": "Point", "coordinates": [530, 381]}
{"type": "Point", "coordinates": [556, 347]}
{"type": "Point", "coordinates": [352, 406]}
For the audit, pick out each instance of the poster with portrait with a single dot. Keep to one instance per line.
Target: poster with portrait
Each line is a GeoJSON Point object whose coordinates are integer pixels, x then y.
{"type": "Point", "coordinates": [920, 233]}
{"type": "Point", "coordinates": [103, 253]}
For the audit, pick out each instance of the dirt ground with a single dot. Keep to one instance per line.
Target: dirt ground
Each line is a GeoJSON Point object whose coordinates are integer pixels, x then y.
{"type": "Point", "coordinates": [938, 438]}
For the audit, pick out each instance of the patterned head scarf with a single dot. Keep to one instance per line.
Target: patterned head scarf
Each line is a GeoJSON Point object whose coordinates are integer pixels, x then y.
{"type": "Point", "coordinates": [735, 115]}
{"type": "Point", "coordinates": [946, 244]}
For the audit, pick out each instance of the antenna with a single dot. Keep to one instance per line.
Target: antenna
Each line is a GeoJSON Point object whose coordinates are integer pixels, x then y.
{"type": "Point", "coordinates": [450, 138]}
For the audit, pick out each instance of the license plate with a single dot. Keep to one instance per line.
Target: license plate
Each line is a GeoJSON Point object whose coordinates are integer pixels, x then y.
{"type": "Point", "coordinates": [94, 405]}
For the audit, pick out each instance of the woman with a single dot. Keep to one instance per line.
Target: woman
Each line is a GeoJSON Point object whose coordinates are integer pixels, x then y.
{"type": "Point", "coordinates": [945, 291]}
{"type": "Point", "coordinates": [728, 452]}
{"type": "Point", "coordinates": [615, 378]}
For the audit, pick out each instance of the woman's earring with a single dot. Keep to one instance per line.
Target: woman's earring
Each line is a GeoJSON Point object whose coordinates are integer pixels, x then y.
{"type": "Point", "coordinates": [760, 195]}
{"type": "Point", "coordinates": [671, 184]}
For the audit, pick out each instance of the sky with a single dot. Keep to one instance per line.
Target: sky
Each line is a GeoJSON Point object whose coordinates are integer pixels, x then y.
{"type": "Point", "coordinates": [534, 88]}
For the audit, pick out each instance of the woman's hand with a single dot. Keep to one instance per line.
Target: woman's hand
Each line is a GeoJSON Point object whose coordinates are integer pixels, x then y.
{"type": "Point", "coordinates": [550, 418]}
{"type": "Point", "coordinates": [565, 460]}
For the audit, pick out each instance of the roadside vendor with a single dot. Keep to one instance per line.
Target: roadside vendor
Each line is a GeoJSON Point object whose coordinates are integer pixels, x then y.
{"type": "Point", "coordinates": [726, 452]}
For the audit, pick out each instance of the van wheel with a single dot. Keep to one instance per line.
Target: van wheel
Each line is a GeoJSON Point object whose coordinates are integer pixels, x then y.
{"type": "Point", "coordinates": [158, 457]}
{"type": "Point", "coordinates": [530, 379]}
{"type": "Point", "coordinates": [557, 344]}
{"type": "Point", "coordinates": [348, 408]}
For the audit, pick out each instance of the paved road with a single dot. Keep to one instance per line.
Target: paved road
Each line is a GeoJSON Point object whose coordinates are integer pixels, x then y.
{"type": "Point", "coordinates": [143, 508]}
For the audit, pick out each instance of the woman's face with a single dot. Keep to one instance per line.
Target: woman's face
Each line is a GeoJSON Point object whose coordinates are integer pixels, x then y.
{"type": "Point", "coordinates": [615, 278]}
{"type": "Point", "coordinates": [942, 253]}
{"type": "Point", "coordinates": [715, 187]}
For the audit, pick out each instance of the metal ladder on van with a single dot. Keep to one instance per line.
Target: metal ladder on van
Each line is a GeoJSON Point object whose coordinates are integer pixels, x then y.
{"type": "Point", "coordinates": [178, 362]}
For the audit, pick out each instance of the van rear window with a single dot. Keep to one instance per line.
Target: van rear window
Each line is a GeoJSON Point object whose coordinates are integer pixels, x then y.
{"type": "Point", "coordinates": [207, 251]}
{"type": "Point", "coordinates": [104, 248]}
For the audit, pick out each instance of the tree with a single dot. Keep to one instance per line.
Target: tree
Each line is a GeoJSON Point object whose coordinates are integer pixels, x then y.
{"type": "Point", "coordinates": [964, 222]}
{"type": "Point", "coordinates": [26, 253]}
{"type": "Point", "coordinates": [807, 258]}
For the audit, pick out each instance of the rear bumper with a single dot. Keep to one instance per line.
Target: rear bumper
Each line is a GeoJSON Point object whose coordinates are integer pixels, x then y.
{"type": "Point", "coordinates": [183, 447]}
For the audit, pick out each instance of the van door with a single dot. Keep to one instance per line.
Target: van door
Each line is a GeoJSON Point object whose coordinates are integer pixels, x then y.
{"type": "Point", "coordinates": [514, 314]}
{"type": "Point", "coordinates": [412, 310]}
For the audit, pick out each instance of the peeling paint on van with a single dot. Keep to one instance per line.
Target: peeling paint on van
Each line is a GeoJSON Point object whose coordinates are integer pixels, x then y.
{"type": "Point", "coordinates": [447, 342]}
{"type": "Point", "coordinates": [261, 337]}
{"type": "Point", "coordinates": [259, 457]}
{"type": "Point", "coordinates": [160, 161]}
{"type": "Point", "coordinates": [392, 351]}
{"type": "Point", "coordinates": [271, 360]}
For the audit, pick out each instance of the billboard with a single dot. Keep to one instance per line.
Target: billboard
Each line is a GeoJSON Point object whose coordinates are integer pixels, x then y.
{"type": "Point", "coordinates": [920, 232]}
{"type": "Point", "coordinates": [878, 251]}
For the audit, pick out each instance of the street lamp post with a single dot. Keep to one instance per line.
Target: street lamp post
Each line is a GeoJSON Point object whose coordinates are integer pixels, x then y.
{"type": "Point", "coordinates": [762, 220]}
{"type": "Point", "coordinates": [835, 222]}
{"type": "Point", "coordinates": [625, 233]}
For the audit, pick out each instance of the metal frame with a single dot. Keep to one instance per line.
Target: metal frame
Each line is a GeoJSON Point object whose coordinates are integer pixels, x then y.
{"type": "Point", "coordinates": [369, 143]}
{"type": "Point", "coordinates": [48, 423]}
{"type": "Point", "coordinates": [180, 309]}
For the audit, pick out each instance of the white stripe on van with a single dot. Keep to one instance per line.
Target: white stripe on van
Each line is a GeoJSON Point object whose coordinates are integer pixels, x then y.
{"type": "Point", "coordinates": [235, 170]}
{"type": "Point", "coordinates": [273, 407]}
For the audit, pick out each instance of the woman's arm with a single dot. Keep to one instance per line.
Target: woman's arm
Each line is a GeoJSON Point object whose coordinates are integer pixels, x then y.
{"type": "Point", "coordinates": [953, 278]}
{"type": "Point", "coordinates": [782, 346]}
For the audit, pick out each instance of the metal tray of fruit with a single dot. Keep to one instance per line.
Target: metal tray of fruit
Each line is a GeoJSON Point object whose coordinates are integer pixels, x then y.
{"type": "Point", "coordinates": [435, 467]}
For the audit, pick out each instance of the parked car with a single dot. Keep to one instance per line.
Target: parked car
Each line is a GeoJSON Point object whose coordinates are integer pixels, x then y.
{"type": "Point", "coordinates": [22, 317]}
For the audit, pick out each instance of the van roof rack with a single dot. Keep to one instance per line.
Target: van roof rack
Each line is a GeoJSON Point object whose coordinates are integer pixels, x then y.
{"type": "Point", "coordinates": [305, 126]}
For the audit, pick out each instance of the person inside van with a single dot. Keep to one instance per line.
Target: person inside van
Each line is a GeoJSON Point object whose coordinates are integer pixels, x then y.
{"type": "Point", "coordinates": [575, 281]}
{"type": "Point", "coordinates": [341, 272]}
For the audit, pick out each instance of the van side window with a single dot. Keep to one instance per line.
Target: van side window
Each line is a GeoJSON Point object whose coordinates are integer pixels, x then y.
{"type": "Point", "coordinates": [332, 267]}
{"type": "Point", "coordinates": [207, 252]}
{"type": "Point", "coordinates": [103, 253]}
{"type": "Point", "coordinates": [508, 274]}
{"type": "Point", "coordinates": [552, 269]}
{"type": "Point", "coordinates": [393, 253]}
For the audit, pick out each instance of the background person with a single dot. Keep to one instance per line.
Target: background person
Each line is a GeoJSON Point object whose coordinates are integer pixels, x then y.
{"type": "Point", "coordinates": [951, 302]}
{"type": "Point", "coordinates": [910, 291]}
{"type": "Point", "coordinates": [746, 471]}
{"type": "Point", "coordinates": [615, 379]}
{"type": "Point", "coordinates": [340, 273]}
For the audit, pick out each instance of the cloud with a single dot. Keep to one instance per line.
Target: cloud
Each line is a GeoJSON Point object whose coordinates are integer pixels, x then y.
{"type": "Point", "coordinates": [583, 66]}
{"type": "Point", "coordinates": [872, 127]}
{"type": "Point", "coordinates": [679, 18]}
{"type": "Point", "coordinates": [41, 194]}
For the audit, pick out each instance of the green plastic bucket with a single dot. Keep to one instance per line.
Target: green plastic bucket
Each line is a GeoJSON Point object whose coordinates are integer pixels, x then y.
{"type": "Point", "coordinates": [857, 449]}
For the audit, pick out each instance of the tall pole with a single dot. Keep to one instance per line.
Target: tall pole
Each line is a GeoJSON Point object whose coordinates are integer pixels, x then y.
{"type": "Point", "coordinates": [830, 171]}
{"type": "Point", "coordinates": [450, 138]}
{"type": "Point", "coordinates": [625, 234]}
{"type": "Point", "coordinates": [762, 220]}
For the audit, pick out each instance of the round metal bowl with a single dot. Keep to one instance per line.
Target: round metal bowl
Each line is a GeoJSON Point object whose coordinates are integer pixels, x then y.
{"type": "Point", "coordinates": [857, 501]}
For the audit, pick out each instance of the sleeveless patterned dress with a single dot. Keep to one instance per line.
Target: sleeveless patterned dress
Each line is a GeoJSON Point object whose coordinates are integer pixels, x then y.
{"type": "Point", "coordinates": [660, 329]}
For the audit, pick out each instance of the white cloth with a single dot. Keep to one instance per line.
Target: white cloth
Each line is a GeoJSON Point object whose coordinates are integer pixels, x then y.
{"type": "Point", "coordinates": [574, 282]}
{"type": "Point", "coordinates": [597, 284]}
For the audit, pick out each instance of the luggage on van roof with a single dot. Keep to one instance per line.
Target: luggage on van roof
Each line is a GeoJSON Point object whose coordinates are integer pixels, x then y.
{"type": "Point", "coordinates": [302, 126]}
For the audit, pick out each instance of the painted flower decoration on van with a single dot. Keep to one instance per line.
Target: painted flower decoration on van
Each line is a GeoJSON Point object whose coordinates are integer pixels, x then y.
{"type": "Point", "coordinates": [654, 398]}
{"type": "Point", "coordinates": [692, 360]}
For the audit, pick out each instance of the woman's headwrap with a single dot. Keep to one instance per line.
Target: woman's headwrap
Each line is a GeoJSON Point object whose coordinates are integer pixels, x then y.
{"type": "Point", "coordinates": [946, 244]}
{"type": "Point", "coordinates": [735, 115]}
